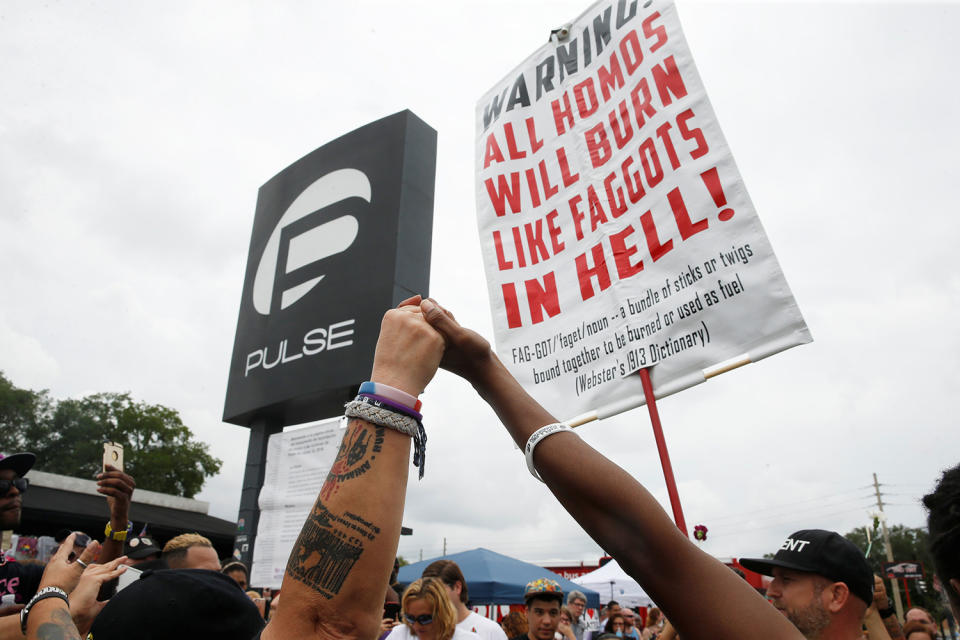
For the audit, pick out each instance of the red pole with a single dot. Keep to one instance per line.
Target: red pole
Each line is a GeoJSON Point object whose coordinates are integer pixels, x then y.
{"type": "Point", "coordinates": [907, 590]}
{"type": "Point", "coordinates": [662, 449]}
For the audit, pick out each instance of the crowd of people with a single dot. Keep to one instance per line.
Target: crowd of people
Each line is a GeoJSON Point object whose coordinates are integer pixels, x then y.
{"type": "Point", "coordinates": [339, 581]}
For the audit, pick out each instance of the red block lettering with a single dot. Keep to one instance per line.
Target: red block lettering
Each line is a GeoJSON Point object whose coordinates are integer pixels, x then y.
{"type": "Point", "coordinates": [502, 194]}
{"type": "Point", "coordinates": [680, 213]}
{"type": "Point", "coordinates": [622, 253]}
{"type": "Point", "coordinates": [657, 250]}
{"type": "Point", "coordinates": [599, 271]}
{"type": "Point", "coordinates": [543, 298]}
{"type": "Point", "coordinates": [562, 116]}
{"type": "Point", "coordinates": [668, 81]}
{"type": "Point", "coordinates": [512, 308]}
{"type": "Point", "coordinates": [650, 31]}
{"type": "Point", "coordinates": [492, 153]}
{"type": "Point", "coordinates": [598, 145]}
{"type": "Point", "coordinates": [692, 134]}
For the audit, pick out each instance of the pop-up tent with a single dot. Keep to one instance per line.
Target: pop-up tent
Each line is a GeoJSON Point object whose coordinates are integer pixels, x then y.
{"type": "Point", "coordinates": [613, 583]}
{"type": "Point", "coordinates": [493, 578]}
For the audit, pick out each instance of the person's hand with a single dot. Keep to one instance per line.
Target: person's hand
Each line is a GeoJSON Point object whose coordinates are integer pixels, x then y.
{"type": "Point", "coordinates": [260, 602]}
{"type": "Point", "coordinates": [565, 629]}
{"type": "Point", "coordinates": [466, 350]}
{"type": "Point", "coordinates": [84, 606]}
{"type": "Point", "coordinates": [408, 350]}
{"type": "Point", "coordinates": [387, 624]}
{"type": "Point", "coordinates": [63, 573]}
{"type": "Point", "coordinates": [880, 599]}
{"type": "Point", "coordinates": [274, 603]}
{"type": "Point", "coordinates": [118, 487]}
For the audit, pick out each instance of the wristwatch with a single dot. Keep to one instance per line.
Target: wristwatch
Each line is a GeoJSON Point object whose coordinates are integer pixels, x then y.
{"type": "Point", "coordinates": [42, 594]}
{"type": "Point", "coordinates": [119, 536]}
{"type": "Point", "coordinates": [887, 611]}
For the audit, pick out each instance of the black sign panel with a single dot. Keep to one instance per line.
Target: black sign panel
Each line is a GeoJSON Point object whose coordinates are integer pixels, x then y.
{"type": "Point", "coordinates": [909, 570]}
{"type": "Point", "coordinates": [339, 237]}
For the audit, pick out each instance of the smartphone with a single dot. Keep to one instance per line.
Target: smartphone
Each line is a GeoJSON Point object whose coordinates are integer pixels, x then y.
{"type": "Point", "coordinates": [113, 455]}
{"type": "Point", "coordinates": [127, 578]}
{"type": "Point", "coordinates": [391, 610]}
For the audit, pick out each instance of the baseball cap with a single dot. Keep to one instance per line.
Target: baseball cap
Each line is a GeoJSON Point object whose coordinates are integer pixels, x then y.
{"type": "Point", "coordinates": [140, 547]}
{"type": "Point", "coordinates": [19, 462]}
{"type": "Point", "coordinates": [543, 588]}
{"type": "Point", "coordinates": [825, 553]}
{"type": "Point", "coordinates": [179, 603]}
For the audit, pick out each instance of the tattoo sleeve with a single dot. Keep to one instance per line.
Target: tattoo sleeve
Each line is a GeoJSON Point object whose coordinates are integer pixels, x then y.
{"type": "Point", "coordinates": [330, 544]}
{"type": "Point", "coordinates": [893, 627]}
{"type": "Point", "coordinates": [59, 627]}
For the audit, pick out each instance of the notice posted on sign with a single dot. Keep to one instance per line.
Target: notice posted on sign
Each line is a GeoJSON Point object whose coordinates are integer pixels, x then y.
{"type": "Point", "coordinates": [617, 232]}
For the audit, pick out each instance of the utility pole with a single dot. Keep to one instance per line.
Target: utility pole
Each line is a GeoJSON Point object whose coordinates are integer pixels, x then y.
{"type": "Point", "coordinates": [421, 555]}
{"type": "Point", "coordinates": [894, 587]}
{"type": "Point", "coordinates": [444, 547]}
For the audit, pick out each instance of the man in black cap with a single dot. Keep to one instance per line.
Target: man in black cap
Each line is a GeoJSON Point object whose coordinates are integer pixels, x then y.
{"type": "Point", "coordinates": [821, 582]}
{"type": "Point", "coordinates": [22, 580]}
{"type": "Point", "coordinates": [19, 580]}
{"type": "Point", "coordinates": [143, 553]}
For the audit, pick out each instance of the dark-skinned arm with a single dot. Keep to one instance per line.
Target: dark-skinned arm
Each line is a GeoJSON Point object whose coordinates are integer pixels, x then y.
{"type": "Point", "coordinates": [118, 488]}
{"type": "Point", "coordinates": [340, 564]}
{"type": "Point", "coordinates": [701, 596]}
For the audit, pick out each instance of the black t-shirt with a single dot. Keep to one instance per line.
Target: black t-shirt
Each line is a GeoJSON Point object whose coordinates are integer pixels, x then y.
{"type": "Point", "coordinates": [23, 580]}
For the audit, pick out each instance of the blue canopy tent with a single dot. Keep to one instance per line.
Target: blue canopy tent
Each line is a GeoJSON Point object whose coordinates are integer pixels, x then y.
{"type": "Point", "coordinates": [493, 578]}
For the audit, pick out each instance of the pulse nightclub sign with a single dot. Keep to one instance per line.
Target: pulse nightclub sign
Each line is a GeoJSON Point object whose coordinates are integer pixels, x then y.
{"type": "Point", "coordinates": [339, 237]}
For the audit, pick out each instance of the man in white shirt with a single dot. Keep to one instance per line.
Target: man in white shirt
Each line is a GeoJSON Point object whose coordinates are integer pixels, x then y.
{"type": "Point", "coordinates": [449, 572]}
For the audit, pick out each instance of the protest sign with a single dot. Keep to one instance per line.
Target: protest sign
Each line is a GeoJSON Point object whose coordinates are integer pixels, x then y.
{"type": "Point", "coordinates": [617, 232]}
{"type": "Point", "coordinates": [297, 466]}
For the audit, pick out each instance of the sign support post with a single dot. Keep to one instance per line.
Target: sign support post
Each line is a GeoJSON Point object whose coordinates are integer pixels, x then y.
{"type": "Point", "coordinates": [662, 450]}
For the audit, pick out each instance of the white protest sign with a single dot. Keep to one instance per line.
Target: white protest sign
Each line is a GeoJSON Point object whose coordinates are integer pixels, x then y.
{"type": "Point", "coordinates": [617, 231]}
{"type": "Point", "coordinates": [297, 465]}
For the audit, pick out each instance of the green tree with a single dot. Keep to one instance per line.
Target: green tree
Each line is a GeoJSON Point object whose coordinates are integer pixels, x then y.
{"type": "Point", "coordinates": [68, 436]}
{"type": "Point", "coordinates": [909, 545]}
{"type": "Point", "coordinates": [22, 411]}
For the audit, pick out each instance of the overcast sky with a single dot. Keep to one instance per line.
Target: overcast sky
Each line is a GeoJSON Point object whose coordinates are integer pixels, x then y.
{"type": "Point", "coordinates": [134, 137]}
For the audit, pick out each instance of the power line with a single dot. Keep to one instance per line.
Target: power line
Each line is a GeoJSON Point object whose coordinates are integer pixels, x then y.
{"type": "Point", "coordinates": [788, 508]}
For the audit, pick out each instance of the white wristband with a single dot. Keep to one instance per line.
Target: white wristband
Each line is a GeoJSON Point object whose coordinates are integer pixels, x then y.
{"type": "Point", "coordinates": [535, 439]}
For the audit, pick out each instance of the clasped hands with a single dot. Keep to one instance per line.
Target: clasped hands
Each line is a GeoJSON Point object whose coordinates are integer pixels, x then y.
{"type": "Point", "coordinates": [417, 338]}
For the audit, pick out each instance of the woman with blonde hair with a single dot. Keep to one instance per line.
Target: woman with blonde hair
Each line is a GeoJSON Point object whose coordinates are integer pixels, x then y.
{"type": "Point", "coordinates": [427, 613]}
{"type": "Point", "coordinates": [653, 626]}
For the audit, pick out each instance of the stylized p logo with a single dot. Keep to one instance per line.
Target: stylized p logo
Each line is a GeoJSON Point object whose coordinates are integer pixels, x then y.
{"type": "Point", "coordinates": [311, 245]}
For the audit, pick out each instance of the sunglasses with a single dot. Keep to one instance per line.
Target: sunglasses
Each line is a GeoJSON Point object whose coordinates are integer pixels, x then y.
{"type": "Point", "coordinates": [423, 619]}
{"type": "Point", "coordinates": [20, 483]}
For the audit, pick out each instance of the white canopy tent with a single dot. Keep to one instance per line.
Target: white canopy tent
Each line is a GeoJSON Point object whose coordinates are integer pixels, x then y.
{"type": "Point", "coordinates": [613, 583]}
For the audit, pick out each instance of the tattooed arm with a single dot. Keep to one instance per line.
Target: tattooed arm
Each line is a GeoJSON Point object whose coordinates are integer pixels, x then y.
{"type": "Point", "coordinates": [50, 619]}
{"type": "Point", "coordinates": [348, 543]}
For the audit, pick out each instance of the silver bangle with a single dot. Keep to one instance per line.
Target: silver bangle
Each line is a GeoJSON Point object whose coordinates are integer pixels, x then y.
{"type": "Point", "coordinates": [535, 439]}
